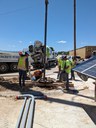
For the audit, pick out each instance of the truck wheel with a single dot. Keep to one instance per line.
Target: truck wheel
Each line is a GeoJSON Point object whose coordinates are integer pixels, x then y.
{"type": "Point", "coordinates": [4, 67]}
{"type": "Point", "coordinates": [50, 64]}
{"type": "Point", "coordinates": [13, 67]}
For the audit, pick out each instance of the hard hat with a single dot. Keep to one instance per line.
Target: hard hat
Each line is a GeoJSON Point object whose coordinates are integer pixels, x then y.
{"type": "Point", "coordinates": [26, 53]}
{"type": "Point", "coordinates": [64, 56]}
{"type": "Point", "coordinates": [20, 53]}
{"type": "Point", "coordinates": [23, 52]}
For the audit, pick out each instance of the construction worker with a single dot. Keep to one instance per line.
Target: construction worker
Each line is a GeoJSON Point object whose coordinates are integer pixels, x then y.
{"type": "Point", "coordinates": [73, 64]}
{"type": "Point", "coordinates": [22, 67]}
{"type": "Point", "coordinates": [37, 75]}
{"type": "Point", "coordinates": [59, 67]}
{"type": "Point", "coordinates": [47, 52]}
{"type": "Point", "coordinates": [66, 66]}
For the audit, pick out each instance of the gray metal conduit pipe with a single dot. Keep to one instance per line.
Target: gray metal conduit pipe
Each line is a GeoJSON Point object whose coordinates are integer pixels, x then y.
{"type": "Point", "coordinates": [31, 96]}
{"type": "Point", "coordinates": [26, 95]}
{"type": "Point", "coordinates": [26, 116]}
{"type": "Point", "coordinates": [29, 122]}
{"type": "Point", "coordinates": [21, 113]}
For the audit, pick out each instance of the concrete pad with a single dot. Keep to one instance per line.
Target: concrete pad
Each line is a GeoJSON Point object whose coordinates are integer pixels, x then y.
{"type": "Point", "coordinates": [55, 113]}
{"type": "Point", "coordinates": [60, 110]}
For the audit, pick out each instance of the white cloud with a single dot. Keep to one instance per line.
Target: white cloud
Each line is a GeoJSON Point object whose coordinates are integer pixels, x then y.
{"type": "Point", "coordinates": [11, 46]}
{"type": "Point", "coordinates": [20, 41]}
{"type": "Point", "coordinates": [62, 42]}
{"type": "Point", "coordinates": [14, 46]}
{"type": "Point", "coordinates": [30, 42]}
{"type": "Point", "coordinates": [83, 42]}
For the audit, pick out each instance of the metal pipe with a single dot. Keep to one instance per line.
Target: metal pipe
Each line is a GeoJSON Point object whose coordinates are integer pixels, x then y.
{"type": "Point", "coordinates": [30, 119]}
{"type": "Point", "coordinates": [21, 113]}
{"type": "Point", "coordinates": [26, 95]}
{"type": "Point", "coordinates": [31, 96]}
{"type": "Point", "coordinates": [95, 90]}
{"type": "Point", "coordinates": [25, 114]}
{"type": "Point", "coordinates": [74, 28]}
{"type": "Point", "coordinates": [45, 37]}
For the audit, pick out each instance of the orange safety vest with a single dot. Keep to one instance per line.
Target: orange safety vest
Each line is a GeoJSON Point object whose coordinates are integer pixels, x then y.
{"type": "Point", "coordinates": [22, 63]}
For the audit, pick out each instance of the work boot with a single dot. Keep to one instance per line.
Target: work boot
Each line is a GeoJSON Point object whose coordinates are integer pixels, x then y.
{"type": "Point", "coordinates": [67, 89]}
{"type": "Point", "coordinates": [73, 78]}
{"type": "Point", "coordinates": [20, 86]}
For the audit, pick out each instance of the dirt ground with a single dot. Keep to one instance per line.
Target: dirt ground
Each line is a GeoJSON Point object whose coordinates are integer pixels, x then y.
{"type": "Point", "coordinates": [10, 106]}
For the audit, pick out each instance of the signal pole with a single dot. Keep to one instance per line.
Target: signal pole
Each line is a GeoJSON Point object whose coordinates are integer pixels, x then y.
{"type": "Point", "coordinates": [45, 36]}
{"type": "Point", "coordinates": [74, 28]}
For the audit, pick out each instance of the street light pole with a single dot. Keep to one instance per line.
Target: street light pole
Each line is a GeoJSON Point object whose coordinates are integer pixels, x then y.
{"type": "Point", "coordinates": [74, 28]}
{"type": "Point", "coordinates": [45, 36]}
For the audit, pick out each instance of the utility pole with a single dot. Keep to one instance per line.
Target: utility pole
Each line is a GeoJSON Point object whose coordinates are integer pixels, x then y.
{"type": "Point", "coordinates": [45, 37]}
{"type": "Point", "coordinates": [74, 28]}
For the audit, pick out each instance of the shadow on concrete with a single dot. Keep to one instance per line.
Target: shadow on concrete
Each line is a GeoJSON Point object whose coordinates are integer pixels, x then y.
{"type": "Point", "coordinates": [90, 110]}
{"type": "Point", "coordinates": [15, 87]}
{"type": "Point", "coordinates": [76, 93]}
{"type": "Point", "coordinates": [8, 85]}
{"type": "Point", "coordinates": [32, 92]}
{"type": "Point", "coordinates": [89, 97]}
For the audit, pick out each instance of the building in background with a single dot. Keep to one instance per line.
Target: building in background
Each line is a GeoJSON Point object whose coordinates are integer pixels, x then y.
{"type": "Point", "coordinates": [83, 52]}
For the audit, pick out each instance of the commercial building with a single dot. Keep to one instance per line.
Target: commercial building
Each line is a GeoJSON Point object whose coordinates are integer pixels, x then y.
{"type": "Point", "coordinates": [83, 52]}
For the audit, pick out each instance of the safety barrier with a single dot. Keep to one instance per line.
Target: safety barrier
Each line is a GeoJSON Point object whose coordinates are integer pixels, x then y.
{"type": "Point", "coordinates": [26, 116]}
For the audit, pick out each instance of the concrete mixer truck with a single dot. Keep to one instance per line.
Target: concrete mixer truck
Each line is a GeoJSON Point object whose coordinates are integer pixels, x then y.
{"type": "Point", "coordinates": [9, 60]}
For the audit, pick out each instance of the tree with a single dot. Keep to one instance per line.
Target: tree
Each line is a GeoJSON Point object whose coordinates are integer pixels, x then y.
{"type": "Point", "coordinates": [52, 48]}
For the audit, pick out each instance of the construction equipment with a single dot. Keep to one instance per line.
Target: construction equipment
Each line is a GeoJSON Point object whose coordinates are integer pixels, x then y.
{"type": "Point", "coordinates": [37, 55]}
{"type": "Point", "coordinates": [9, 60]}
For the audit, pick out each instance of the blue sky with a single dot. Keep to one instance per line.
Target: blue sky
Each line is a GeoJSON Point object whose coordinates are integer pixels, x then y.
{"type": "Point", "coordinates": [22, 23]}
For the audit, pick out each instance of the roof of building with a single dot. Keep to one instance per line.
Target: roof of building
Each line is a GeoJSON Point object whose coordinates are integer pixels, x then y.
{"type": "Point", "coordinates": [82, 47]}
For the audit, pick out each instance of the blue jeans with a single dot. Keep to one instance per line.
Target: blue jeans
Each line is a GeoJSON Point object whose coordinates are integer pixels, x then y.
{"type": "Point", "coordinates": [72, 74]}
{"type": "Point", "coordinates": [67, 81]}
{"type": "Point", "coordinates": [22, 77]}
{"type": "Point", "coordinates": [65, 77]}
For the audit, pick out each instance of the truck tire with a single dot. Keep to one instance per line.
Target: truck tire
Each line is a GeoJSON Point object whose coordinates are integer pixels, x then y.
{"type": "Point", "coordinates": [4, 67]}
{"type": "Point", "coordinates": [13, 67]}
{"type": "Point", "coordinates": [51, 64]}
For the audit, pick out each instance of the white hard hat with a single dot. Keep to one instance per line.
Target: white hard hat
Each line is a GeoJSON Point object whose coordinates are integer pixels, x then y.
{"type": "Point", "coordinates": [24, 51]}
{"type": "Point", "coordinates": [64, 56]}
